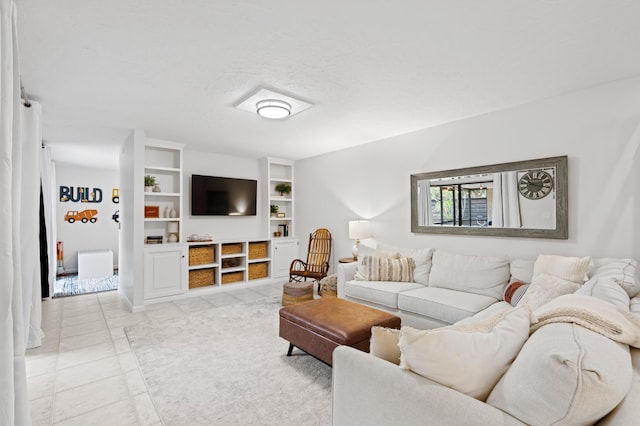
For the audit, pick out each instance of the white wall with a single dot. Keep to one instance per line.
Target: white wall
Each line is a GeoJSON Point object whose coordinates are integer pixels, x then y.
{"type": "Point", "coordinates": [594, 127]}
{"type": "Point", "coordinates": [103, 234]}
{"type": "Point", "coordinates": [222, 227]}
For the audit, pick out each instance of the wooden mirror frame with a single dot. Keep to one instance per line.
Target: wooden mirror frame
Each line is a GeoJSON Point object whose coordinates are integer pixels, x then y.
{"type": "Point", "coordinates": [561, 230]}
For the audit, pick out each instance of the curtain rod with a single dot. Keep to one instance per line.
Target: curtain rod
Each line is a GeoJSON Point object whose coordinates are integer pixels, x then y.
{"type": "Point", "coordinates": [23, 95]}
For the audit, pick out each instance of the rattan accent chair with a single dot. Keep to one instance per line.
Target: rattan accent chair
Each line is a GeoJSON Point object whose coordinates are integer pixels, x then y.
{"type": "Point", "coordinates": [316, 266]}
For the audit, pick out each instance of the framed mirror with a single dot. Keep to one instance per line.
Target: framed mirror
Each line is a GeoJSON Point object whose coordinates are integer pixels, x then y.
{"type": "Point", "coordinates": [518, 199]}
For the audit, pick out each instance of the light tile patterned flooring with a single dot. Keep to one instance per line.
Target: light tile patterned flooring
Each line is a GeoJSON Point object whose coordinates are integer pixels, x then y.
{"type": "Point", "coordinates": [85, 373]}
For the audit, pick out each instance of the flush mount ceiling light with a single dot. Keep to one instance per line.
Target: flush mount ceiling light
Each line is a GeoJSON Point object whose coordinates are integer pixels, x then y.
{"type": "Point", "coordinates": [273, 105]}
{"type": "Point", "coordinates": [273, 108]}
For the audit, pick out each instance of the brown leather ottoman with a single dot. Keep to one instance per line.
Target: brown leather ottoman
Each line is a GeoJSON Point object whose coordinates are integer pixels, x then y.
{"type": "Point", "coordinates": [318, 327]}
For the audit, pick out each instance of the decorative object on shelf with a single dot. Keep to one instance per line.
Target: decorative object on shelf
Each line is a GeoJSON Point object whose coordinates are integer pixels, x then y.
{"type": "Point", "coordinates": [149, 183]}
{"type": "Point", "coordinates": [151, 212]}
{"type": "Point", "coordinates": [283, 188]}
{"type": "Point", "coordinates": [285, 229]}
{"type": "Point", "coordinates": [156, 188]}
{"type": "Point", "coordinates": [277, 234]}
{"type": "Point", "coordinates": [167, 211]}
{"type": "Point", "coordinates": [172, 230]}
{"type": "Point", "coordinates": [274, 210]}
{"type": "Point", "coordinates": [282, 214]}
{"type": "Point", "coordinates": [154, 239]}
{"type": "Point", "coordinates": [172, 213]}
{"type": "Point", "coordinates": [358, 230]}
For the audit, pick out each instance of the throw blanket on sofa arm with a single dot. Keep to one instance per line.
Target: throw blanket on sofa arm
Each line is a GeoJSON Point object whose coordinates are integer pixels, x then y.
{"type": "Point", "coordinates": [593, 314]}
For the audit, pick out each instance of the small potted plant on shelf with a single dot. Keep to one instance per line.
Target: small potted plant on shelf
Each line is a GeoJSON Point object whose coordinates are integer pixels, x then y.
{"type": "Point", "coordinates": [149, 183]}
{"type": "Point", "coordinates": [283, 188]}
{"type": "Point", "coordinates": [274, 210]}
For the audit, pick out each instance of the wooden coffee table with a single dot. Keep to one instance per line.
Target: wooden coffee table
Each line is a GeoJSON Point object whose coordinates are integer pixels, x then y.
{"type": "Point", "coordinates": [319, 326]}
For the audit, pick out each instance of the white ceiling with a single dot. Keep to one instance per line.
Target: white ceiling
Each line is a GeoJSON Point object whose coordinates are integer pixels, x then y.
{"type": "Point", "coordinates": [372, 68]}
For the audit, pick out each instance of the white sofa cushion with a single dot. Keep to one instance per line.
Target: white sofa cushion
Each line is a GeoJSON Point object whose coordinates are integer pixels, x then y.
{"type": "Point", "coordinates": [634, 305]}
{"type": "Point", "coordinates": [574, 269]}
{"type": "Point", "coordinates": [521, 270]}
{"type": "Point", "coordinates": [445, 305]}
{"type": "Point", "coordinates": [564, 374]}
{"type": "Point", "coordinates": [469, 358]}
{"type": "Point", "coordinates": [624, 272]}
{"type": "Point", "coordinates": [485, 275]}
{"type": "Point", "coordinates": [384, 293]}
{"type": "Point", "coordinates": [422, 257]}
{"type": "Point", "coordinates": [605, 288]}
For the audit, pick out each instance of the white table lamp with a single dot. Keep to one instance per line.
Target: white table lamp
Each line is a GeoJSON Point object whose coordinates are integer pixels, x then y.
{"type": "Point", "coordinates": [172, 230]}
{"type": "Point", "coordinates": [358, 230]}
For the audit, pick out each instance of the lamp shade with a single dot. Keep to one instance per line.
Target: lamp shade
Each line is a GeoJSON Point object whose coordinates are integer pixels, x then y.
{"type": "Point", "coordinates": [172, 227]}
{"type": "Point", "coordinates": [359, 229]}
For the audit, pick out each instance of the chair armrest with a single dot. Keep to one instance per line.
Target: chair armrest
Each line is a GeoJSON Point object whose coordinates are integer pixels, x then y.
{"type": "Point", "coordinates": [346, 272]}
{"type": "Point", "coordinates": [370, 391]}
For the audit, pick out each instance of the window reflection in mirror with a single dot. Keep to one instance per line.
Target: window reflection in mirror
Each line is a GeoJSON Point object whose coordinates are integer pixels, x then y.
{"type": "Point", "coordinates": [526, 198]}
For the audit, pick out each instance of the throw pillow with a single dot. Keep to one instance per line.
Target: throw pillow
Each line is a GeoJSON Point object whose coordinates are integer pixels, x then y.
{"type": "Point", "coordinates": [574, 269]}
{"type": "Point", "coordinates": [564, 375]}
{"type": "Point", "coordinates": [469, 358]}
{"type": "Point", "coordinates": [364, 251]}
{"type": "Point", "coordinates": [384, 344]}
{"type": "Point", "coordinates": [384, 269]}
{"type": "Point", "coordinates": [544, 288]}
{"type": "Point", "coordinates": [422, 257]}
{"type": "Point", "coordinates": [514, 292]}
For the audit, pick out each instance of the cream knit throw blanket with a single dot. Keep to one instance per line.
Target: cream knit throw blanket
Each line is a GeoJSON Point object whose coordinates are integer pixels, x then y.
{"type": "Point", "coordinates": [591, 313]}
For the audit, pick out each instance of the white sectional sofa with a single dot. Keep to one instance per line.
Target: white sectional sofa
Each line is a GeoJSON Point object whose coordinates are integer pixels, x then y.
{"type": "Point", "coordinates": [563, 374]}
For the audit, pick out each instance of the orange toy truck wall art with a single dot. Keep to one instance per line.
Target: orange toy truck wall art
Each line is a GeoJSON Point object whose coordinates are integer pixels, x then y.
{"type": "Point", "coordinates": [84, 216]}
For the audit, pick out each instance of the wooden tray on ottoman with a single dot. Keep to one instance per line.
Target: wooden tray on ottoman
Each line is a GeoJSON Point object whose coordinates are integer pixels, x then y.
{"type": "Point", "coordinates": [319, 326]}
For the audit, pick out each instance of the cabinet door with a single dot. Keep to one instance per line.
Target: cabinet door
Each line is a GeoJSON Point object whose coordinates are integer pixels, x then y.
{"type": "Point", "coordinates": [165, 271]}
{"type": "Point", "coordinates": [284, 251]}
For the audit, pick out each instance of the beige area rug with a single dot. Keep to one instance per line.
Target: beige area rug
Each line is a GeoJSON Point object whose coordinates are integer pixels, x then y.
{"type": "Point", "coordinates": [228, 366]}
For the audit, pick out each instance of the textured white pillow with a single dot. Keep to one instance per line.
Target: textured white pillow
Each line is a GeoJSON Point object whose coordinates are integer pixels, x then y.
{"type": "Point", "coordinates": [485, 275]}
{"type": "Point", "coordinates": [384, 344]}
{"type": "Point", "coordinates": [624, 272]}
{"type": "Point", "coordinates": [469, 358]}
{"type": "Point", "coordinates": [574, 269]}
{"type": "Point", "coordinates": [564, 375]}
{"type": "Point", "coordinates": [544, 288]}
{"type": "Point", "coordinates": [421, 256]}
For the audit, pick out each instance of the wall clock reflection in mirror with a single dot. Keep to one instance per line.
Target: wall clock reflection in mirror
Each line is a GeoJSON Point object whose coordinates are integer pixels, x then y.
{"type": "Point", "coordinates": [535, 184]}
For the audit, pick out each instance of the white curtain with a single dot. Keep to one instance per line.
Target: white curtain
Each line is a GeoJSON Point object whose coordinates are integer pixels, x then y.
{"type": "Point", "coordinates": [506, 202]}
{"type": "Point", "coordinates": [48, 180]}
{"type": "Point", "coordinates": [425, 213]}
{"type": "Point", "coordinates": [31, 136]}
{"type": "Point", "coordinates": [14, 404]}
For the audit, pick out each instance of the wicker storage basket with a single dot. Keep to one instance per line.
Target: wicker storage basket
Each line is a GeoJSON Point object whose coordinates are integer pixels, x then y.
{"type": "Point", "coordinates": [258, 250]}
{"type": "Point", "coordinates": [232, 248]}
{"type": "Point", "coordinates": [232, 277]}
{"type": "Point", "coordinates": [258, 270]}
{"type": "Point", "coordinates": [201, 255]}
{"type": "Point", "coordinates": [200, 278]}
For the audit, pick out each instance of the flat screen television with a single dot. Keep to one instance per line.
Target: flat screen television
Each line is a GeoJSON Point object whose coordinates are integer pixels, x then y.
{"type": "Point", "coordinates": [222, 196]}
